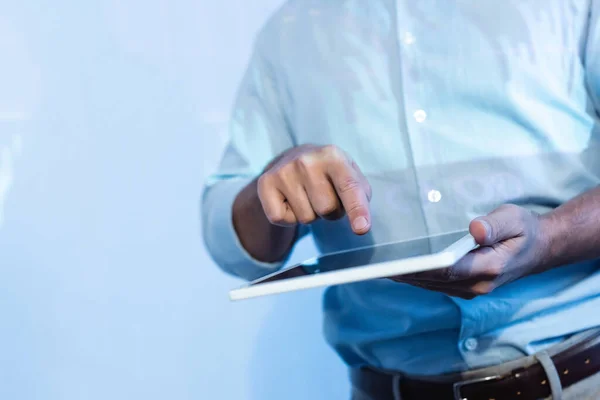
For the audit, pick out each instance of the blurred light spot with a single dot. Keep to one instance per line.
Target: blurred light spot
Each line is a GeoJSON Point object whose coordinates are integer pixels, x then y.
{"type": "Point", "coordinates": [434, 196]}
{"type": "Point", "coordinates": [420, 116]}
{"type": "Point", "coordinates": [409, 38]}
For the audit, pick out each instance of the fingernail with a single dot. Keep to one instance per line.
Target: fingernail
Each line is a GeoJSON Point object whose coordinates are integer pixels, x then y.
{"type": "Point", "coordinates": [488, 229]}
{"type": "Point", "coordinates": [360, 223]}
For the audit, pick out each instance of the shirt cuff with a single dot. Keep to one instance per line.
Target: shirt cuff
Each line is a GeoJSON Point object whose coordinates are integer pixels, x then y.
{"type": "Point", "coordinates": [219, 234]}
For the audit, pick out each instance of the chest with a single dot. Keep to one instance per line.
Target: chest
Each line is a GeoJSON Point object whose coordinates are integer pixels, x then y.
{"type": "Point", "coordinates": [420, 82]}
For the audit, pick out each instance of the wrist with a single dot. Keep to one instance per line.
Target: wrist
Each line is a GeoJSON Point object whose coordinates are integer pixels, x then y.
{"type": "Point", "coordinates": [247, 211]}
{"type": "Point", "coordinates": [554, 233]}
{"type": "Point", "coordinates": [246, 201]}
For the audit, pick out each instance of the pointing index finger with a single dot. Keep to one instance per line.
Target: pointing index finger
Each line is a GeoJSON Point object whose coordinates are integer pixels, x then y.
{"type": "Point", "coordinates": [349, 187]}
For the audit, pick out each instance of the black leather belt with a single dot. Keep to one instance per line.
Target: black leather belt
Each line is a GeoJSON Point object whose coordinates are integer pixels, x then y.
{"type": "Point", "coordinates": [574, 364]}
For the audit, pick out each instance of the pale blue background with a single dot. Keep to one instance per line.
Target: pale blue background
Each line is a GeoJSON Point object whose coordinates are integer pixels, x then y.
{"type": "Point", "coordinates": [111, 115]}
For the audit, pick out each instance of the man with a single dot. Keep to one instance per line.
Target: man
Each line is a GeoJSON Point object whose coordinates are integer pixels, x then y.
{"type": "Point", "coordinates": [369, 121]}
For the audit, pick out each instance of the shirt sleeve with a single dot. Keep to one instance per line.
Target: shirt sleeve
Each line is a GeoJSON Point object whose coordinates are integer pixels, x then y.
{"type": "Point", "coordinates": [258, 132]}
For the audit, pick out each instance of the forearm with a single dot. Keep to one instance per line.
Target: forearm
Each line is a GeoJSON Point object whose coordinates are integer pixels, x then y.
{"type": "Point", "coordinates": [262, 240]}
{"type": "Point", "coordinates": [573, 230]}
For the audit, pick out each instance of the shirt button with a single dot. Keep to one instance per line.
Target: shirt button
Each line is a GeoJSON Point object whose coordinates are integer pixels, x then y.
{"type": "Point", "coordinates": [470, 344]}
{"type": "Point", "coordinates": [434, 196]}
{"type": "Point", "coordinates": [408, 38]}
{"type": "Point", "coordinates": [420, 116]}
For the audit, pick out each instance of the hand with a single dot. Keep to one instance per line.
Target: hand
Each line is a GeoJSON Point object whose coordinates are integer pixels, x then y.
{"type": "Point", "coordinates": [310, 182]}
{"type": "Point", "coordinates": [514, 243]}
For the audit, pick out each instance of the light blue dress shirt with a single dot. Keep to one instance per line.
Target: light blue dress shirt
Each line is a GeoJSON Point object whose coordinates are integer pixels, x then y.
{"type": "Point", "coordinates": [451, 108]}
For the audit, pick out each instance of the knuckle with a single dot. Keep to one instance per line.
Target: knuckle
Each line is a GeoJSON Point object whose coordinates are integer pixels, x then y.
{"type": "Point", "coordinates": [333, 152]}
{"type": "Point", "coordinates": [264, 181]}
{"type": "Point", "coordinates": [306, 161]}
{"type": "Point", "coordinates": [287, 170]}
{"type": "Point", "coordinates": [354, 208]}
{"type": "Point", "coordinates": [512, 208]}
{"type": "Point", "coordinates": [494, 270]}
{"type": "Point", "coordinates": [348, 184]}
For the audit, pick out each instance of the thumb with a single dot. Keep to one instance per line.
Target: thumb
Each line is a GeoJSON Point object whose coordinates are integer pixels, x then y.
{"type": "Point", "coordinates": [501, 224]}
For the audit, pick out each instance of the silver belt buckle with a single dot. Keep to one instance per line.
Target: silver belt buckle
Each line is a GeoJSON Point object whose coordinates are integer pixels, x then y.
{"type": "Point", "coordinates": [459, 385]}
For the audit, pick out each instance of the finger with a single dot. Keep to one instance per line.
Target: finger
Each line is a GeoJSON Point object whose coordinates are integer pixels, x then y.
{"type": "Point", "coordinates": [444, 289]}
{"type": "Point", "coordinates": [296, 197]}
{"type": "Point", "coordinates": [466, 285]}
{"type": "Point", "coordinates": [438, 275]}
{"type": "Point", "coordinates": [484, 287]}
{"type": "Point", "coordinates": [364, 180]}
{"type": "Point", "coordinates": [483, 263]}
{"type": "Point", "coordinates": [321, 194]}
{"type": "Point", "coordinates": [465, 289]}
{"type": "Point", "coordinates": [348, 186]}
{"type": "Point", "coordinates": [277, 210]}
{"type": "Point", "coordinates": [503, 223]}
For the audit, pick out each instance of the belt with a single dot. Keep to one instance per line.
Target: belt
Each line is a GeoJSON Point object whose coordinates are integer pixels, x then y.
{"type": "Point", "coordinates": [573, 364]}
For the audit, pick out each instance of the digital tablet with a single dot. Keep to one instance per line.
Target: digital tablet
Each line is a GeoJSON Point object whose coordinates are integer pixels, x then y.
{"type": "Point", "coordinates": [364, 263]}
